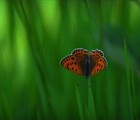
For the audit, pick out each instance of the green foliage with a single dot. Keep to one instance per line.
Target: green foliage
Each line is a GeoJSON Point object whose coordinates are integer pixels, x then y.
{"type": "Point", "coordinates": [36, 34]}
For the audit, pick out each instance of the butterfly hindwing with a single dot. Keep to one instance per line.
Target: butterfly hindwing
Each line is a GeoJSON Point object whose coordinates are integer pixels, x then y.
{"type": "Point", "coordinates": [71, 64]}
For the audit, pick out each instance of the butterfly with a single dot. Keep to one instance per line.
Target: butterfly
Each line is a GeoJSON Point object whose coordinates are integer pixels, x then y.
{"type": "Point", "coordinates": [84, 62]}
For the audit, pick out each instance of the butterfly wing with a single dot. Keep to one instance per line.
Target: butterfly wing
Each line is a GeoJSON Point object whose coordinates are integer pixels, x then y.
{"type": "Point", "coordinates": [79, 51]}
{"type": "Point", "coordinates": [71, 64]}
{"type": "Point", "coordinates": [80, 55]}
{"type": "Point", "coordinates": [97, 52]}
{"type": "Point", "coordinates": [99, 60]}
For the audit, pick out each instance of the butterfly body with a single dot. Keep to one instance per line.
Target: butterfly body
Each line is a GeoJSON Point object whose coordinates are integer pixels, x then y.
{"type": "Point", "coordinates": [85, 63]}
{"type": "Point", "coordinates": [87, 66]}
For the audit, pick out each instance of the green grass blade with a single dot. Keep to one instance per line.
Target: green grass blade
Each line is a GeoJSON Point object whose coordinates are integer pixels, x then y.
{"type": "Point", "coordinates": [128, 79]}
{"type": "Point", "coordinates": [81, 113]}
{"type": "Point", "coordinates": [91, 104]}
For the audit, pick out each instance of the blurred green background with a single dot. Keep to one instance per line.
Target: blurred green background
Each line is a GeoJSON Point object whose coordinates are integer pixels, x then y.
{"type": "Point", "coordinates": [36, 34]}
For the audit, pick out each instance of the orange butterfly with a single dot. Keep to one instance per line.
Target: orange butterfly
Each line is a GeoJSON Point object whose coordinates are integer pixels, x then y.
{"type": "Point", "coordinates": [85, 63]}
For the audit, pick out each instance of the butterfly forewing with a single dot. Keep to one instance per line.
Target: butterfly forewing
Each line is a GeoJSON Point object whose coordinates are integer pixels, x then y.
{"type": "Point", "coordinates": [97, 53]}
{"type": "Point", "coordinates": [95, 56]}
{"type": "Point", "coordinates": [100, 64]}
{"type": "Point", "coordinates": [80, 55]}
{"type": "Point", "coordinates": [71, 64]}
{"type": "Point", "coordinates": [79, 51]}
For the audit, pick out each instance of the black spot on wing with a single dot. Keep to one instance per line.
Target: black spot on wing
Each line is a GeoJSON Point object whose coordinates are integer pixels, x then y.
{"type": "Point", "coordinates": [72, 58]}
{"type": "Point", "coordinates": [71, 63]}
